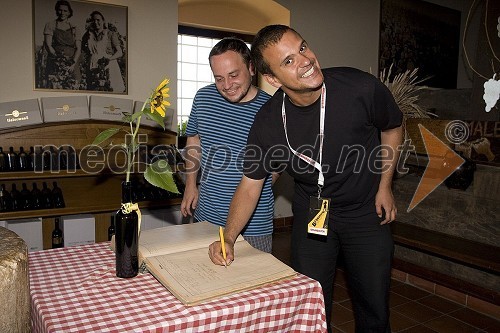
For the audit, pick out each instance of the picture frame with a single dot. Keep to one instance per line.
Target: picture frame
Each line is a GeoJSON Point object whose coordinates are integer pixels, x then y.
{"type": "Point", "coordinates": [80, 46]}
{"type": "Point", "coordinates": [419, 34]}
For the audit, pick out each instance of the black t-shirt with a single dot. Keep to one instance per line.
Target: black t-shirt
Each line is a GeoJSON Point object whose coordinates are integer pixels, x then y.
{"type": "Point", "coordinates": [358, 107]}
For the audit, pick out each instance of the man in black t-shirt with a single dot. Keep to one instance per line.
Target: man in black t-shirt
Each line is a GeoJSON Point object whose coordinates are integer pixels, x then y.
{"type": "Point", "coordinates": [336, 132]}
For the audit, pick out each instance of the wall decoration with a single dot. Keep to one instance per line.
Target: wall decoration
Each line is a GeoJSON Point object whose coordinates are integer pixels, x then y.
{"type": "Point", "coordinates": [418, 34]}
{"type": "Point", "coordinates": [481, 139]}
{"type": "Point", "coordinates": [80, 46]}
{"type": "Point", "coordinates": [485, 70]}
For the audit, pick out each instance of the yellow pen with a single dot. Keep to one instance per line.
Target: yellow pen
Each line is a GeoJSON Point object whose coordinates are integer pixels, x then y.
{"type": "Point", "coordinates": [223, 246]}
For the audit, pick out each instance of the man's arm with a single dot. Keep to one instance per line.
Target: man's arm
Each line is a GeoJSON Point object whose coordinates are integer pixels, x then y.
{"type": "Point", "coordinates": [193, 155]}
{"type": "Point", "coordinates": [384, 200]}
{"type": "Point", "coordinates": [242, 206]}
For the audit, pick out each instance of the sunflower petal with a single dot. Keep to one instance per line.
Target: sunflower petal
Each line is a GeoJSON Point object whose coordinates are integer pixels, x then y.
{"type": "Point", "coordinates": [162, 84]}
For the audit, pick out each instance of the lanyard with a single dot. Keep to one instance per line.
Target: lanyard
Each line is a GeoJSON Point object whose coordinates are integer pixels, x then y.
{"type": "Point", "coordinates": [307, 159]}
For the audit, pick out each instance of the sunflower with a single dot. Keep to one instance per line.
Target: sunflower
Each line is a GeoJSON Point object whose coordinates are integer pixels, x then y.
{"type": "Point", "coordinates": [158, 173]}
{"type": "Point", "coordinates": [159, 101]}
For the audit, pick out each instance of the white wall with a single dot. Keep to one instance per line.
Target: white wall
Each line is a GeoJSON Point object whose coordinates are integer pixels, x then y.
{"type": "Point", "coordinates": [152, 49]}
{"type": "Point", "coordinates": [346, 32]}
{"type": "Point", "coordinates": [341, 32]}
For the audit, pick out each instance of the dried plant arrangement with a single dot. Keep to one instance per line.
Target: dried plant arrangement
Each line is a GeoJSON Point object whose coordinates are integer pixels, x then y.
{"type": "Point", "coordinates": [404, 88]}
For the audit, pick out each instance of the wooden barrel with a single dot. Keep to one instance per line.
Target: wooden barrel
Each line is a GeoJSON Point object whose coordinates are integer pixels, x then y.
{"type": "Point", "coordinates": [14, 283]}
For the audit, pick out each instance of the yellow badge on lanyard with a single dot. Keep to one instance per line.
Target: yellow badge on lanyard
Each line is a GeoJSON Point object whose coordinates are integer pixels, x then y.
{"type": "Point", "coordinates": [318, 216]}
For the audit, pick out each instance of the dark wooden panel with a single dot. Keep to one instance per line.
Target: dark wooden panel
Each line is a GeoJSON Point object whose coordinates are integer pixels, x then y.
{"type": "Point", "coordinates": [471, 253]}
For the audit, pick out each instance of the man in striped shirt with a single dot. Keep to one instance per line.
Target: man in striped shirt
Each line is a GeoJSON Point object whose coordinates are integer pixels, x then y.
{"type": "Point", "coordinates": [221, 117]}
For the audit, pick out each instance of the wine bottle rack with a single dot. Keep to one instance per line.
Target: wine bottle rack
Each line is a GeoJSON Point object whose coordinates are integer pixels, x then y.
{"type": "Point", "coordinates": [97, 192]}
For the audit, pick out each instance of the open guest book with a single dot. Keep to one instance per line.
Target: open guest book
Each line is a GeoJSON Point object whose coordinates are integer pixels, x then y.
{"type": "Point", "coordinates": [177, 256]}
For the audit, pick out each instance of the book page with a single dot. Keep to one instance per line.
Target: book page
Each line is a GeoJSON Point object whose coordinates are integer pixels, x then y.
{"type": "Point", "coordinates": [192, 277]}
{"type": "Point", "coordinates": [178, 238]}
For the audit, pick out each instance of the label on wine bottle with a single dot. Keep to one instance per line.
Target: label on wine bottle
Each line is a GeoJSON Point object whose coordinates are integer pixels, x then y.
{"type": "Point", "coordinates": [57, 240]}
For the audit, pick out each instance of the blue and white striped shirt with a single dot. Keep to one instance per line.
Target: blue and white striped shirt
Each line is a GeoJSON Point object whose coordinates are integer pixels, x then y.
{"type": "Point", "coordinates": [223, 129]}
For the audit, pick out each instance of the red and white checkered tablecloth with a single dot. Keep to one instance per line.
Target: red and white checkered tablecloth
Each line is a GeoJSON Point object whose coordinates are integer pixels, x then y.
{"type": "Point", "coordinates": [75, 289]}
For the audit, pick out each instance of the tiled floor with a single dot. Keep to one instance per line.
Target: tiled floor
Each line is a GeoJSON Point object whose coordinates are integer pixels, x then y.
{"type": "Point", "coordinates": [413, 310]}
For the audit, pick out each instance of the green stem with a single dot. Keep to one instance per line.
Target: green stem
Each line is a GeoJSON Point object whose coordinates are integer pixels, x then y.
{"type": "Point", "coordinates": [131, 153]}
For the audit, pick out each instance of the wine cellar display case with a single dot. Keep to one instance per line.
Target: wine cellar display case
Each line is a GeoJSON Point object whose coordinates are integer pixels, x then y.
{"type": "Point", "coordinates": [94, 187]}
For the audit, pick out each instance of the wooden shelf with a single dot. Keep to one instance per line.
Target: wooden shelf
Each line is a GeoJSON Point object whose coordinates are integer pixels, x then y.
{"type": "Point", "coordinates": [79, 210]}
{"type": "Point", "coordinates": [30, 175]}
{"type": "Point", "coordinates": [97, 193]}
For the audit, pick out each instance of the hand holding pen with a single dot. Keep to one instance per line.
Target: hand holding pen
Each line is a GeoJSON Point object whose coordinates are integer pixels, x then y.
{"type": "Point", "coordinates": [223, 246]}
{"type": "Point", "coordinates": [221, 252]}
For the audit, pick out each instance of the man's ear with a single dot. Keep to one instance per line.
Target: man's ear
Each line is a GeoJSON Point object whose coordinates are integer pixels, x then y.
{"type": "Point", "coordinates": [272, 80]}
{"type": "Point", "coordinates": [251, 68]}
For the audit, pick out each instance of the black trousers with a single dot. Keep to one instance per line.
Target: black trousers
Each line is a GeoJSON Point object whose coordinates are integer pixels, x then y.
{"type": "Point", "coordinates": [367, 249]}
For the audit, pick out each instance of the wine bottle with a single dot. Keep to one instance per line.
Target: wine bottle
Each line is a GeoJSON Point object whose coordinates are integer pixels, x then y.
{"type": "Point", "coordinates": [12, 160]}
{"type": "Point", "coordinates": [63, 158]}
{"type": "Point", "coordinates": [126, 237]}
{"type": "Point", "coordinates": [111, 229]}
{"type": "Point", "coordinates": [53, 158]}
{"type": "Point", "coordinates": [5, 200]}
{"type": "Point", "coordinates": [36, 159]}
{"type": "Point", "coordinates": [46, 158]}
{"type": "Point", "coordinates": [57, 196]}
{"type": "Point", "coordinates": [4, 166]}
{"type": "Point", "coordinates": [31, 158]}
{"type": "Point", "coordinates": [24, 163]}
{"type": "Point", "coordinates": [57, 235]}
{"type": "Point", "coordinates": [26, 200]}
{"type": "Point", "coordinates": [141, 191]}
{"type": "Point", "coordinates": [74, 158]}
{"type": "Point", "coordinates": [72, 163]}
{"type": "Point", "coordinates": [46, 197]}
{"type": "Point", "coordinates": [16, 198]}
{"type": "Point", "coordinates": [36, 197]}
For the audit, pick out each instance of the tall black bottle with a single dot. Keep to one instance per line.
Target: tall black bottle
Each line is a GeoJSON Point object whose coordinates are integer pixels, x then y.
{"type": "Point", "coordinates": [4, 164]}
{"type": "Point", "coordinates": [24, 160]}
{"type": "Point", "coordinates": [46, 194]}
{"type": "Point", "coordinates": [36, 159]}
{"type": "Point", "coordinates": [57, 196]}
{"type": "Point", "coordinates": [26, 199]}
{"type": "Point", "coordinates": [12, 160]}
{"type": "Point", "coordinates": [36, 198]}
{"type": "Point", "coordinates": [5, 200]}
{"type": "Point", "coordinates": [16, 198]}
{"type": "Point", "coordinates": [126, 236]}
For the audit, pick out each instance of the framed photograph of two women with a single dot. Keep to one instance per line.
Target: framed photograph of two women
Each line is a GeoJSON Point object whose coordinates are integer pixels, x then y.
{"type": "Point", "coordinates": [80, 46]}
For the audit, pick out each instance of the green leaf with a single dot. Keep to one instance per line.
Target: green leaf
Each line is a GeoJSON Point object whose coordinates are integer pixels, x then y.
{"type": "Point", "coordinates": [159, 174]}
{"type": "Point", "coordinates": [156, 117]}
{"type": "Point", "coordinates": [104, 135]}
{"type": "Point", "coordinates": [127, 117]}
{"type": "Point", "coordinates": [136, 115]}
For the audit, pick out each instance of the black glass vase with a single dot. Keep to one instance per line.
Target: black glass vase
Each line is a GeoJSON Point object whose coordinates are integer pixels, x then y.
{"type": "Point", "coordinates": [126, 237]}
{"type": "Point", "coordinates": [463, 176]}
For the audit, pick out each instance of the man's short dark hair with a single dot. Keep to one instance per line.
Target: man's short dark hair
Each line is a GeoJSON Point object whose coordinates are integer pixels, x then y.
{"type": "Point", "coordinates": [232, 44]}
{"type": "Point", "coordinates": [267, 36]}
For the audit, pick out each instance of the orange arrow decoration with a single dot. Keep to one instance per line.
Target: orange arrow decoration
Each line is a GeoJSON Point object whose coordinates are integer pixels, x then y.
{"type": "Point", "coordinates": [443, 161]}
